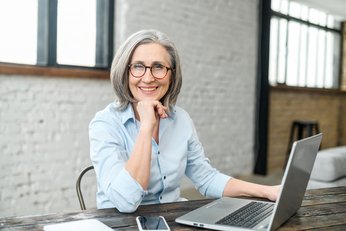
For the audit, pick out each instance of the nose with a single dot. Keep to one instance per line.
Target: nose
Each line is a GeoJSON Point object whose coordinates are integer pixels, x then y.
{"type": "Point", "coordinates": [148, 77]}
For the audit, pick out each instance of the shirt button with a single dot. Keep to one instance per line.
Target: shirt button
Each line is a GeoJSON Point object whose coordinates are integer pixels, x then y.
{"type": "Point", "coordinates": [160, 197]}
{"type": "Point", "coordinates": [158, 152]}
{"type": "Point", "coordinates": [164, 177]}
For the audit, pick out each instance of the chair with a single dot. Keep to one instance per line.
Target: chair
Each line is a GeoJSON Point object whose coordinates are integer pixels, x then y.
{"type": "Point", "coordinates": [301, 129]}
{"type": "Point", "coordinates": [78, 186]}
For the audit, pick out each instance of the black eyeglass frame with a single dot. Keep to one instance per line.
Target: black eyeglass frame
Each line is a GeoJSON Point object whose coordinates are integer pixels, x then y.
{"type": "Point", "coordinates": [151, 70]}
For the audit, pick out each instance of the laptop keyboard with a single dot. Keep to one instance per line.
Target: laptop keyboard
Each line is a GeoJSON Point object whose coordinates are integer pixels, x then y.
{"type": "Point", "coordinates": [249, 215]}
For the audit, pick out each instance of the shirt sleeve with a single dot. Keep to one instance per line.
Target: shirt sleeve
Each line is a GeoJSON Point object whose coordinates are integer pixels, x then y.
{"type": "Point", "coordinates": [208, 180]}
{"type": "Point", "coordinates": [109, 156]}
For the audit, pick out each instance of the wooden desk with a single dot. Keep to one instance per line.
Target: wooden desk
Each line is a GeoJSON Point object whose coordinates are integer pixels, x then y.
{"type": "Point", "coordinates": [322, 209]}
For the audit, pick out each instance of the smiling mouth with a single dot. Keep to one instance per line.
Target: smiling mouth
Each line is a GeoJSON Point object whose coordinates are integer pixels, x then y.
{"type": "Point", "coordinates": [148, 89]}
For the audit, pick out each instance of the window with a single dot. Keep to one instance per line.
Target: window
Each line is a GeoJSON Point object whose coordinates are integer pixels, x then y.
{"type": "Point", "coordinates": [77, 33]}
{"type": "Point", "coordinates": [76, 36]}
{"type": "Point", "coordinates": [304, 46]}
{"type": "Point", "coordinates": [18, 40]}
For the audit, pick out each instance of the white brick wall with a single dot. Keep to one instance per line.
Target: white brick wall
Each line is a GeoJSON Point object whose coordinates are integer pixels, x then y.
{"type": "Point", "coordinates": [43, 120]}
{"type": "Point", "coordinates": [44, 140]}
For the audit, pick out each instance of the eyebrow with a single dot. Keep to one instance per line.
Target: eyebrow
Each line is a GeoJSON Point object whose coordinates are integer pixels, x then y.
{"type": "Point", "coordinates": [153, 63]}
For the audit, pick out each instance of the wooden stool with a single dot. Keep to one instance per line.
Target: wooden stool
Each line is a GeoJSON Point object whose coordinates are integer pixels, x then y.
{"type": "Point", "coordinates": [299, 130]}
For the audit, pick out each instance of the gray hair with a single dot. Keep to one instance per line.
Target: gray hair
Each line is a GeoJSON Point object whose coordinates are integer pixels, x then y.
{"type": "Point", "coordinates": [120, 74]}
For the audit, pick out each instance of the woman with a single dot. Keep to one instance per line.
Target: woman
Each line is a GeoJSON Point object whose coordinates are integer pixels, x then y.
{"type": "Point", "coordinates": [142, 145]}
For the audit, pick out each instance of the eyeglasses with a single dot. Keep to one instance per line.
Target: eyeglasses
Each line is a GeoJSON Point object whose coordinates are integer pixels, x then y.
{"type": "Point", "coordinates": [159, 71]}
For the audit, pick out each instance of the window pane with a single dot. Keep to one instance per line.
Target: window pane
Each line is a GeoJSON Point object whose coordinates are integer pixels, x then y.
{"type": "Point", "coordinates": [282, 51]}
{"type": "Point", "coordinates": [294, 9]}
{"type": "Point", "coordinates": [304, 13]}
{"type": "Point", "coordinates": [76, 35]}
{"type": "Point", "coordinates": [336, 60]}
{"type": "Point", "coordinates": [317, 17]}
{"type": "Point", "coordinates": [293, 53]}
{"type": "Point", "coordinates": [312, 52]}
{"type": "Point", "coordinates": [332, 22]}
{"type": "Point", "coordinates": [18, 26]}
{"type": "Point", "coordinates": [273, 50]}
{"type": "Point", "coordinates": [303, 55]}
{"type": "Point", "coordinates": [322, 19]}
{"type": "Point", "coordinates": [321, 58]}
{"type": "Point", "coordinates": [329, 60]}
{"type": "Point", "coordinates": [275, 5]}
{"type": "Point", "coordinates": [284, 7]}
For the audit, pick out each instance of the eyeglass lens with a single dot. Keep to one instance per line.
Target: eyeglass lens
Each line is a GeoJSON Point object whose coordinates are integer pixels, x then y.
{"type": "Point", "coordinates": [138, 70]}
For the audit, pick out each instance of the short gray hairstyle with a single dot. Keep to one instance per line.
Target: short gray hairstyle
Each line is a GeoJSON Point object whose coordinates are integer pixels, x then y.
{"type": "Point", "coordinates": [120, 72]}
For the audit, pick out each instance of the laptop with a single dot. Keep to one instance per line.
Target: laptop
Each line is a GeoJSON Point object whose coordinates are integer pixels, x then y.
{"type": "Point", "coordinates": [229, 213]}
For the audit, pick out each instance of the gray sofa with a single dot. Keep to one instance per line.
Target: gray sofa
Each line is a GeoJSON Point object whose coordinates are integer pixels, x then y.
{"type": "Point", "coordinates": [329, 169]}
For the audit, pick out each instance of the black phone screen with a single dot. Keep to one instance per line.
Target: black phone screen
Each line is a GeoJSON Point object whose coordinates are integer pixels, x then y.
{"type": "Point", "coordinates": [152, 223]}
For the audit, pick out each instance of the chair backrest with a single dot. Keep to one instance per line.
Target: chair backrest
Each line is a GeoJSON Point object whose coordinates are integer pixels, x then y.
{"type": "Point", "coordinates": [78, 186]}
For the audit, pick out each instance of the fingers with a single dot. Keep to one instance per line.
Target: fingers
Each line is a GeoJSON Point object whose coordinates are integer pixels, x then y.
{"type": "Point", "coordinates": [274, 192]}
{"type": "Point", "coordinates": [154, 106]}
{"type": "Point", "coordinates": [161, 111]}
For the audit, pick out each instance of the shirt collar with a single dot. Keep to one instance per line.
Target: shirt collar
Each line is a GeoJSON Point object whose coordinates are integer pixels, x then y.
{"type": "Point", "coordinates": [128, 114]}
{"type": "Point", "coordinates": [172, 113]}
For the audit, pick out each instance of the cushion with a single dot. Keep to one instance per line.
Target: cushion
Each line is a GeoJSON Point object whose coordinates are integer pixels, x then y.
{"type": "Point", "coordinates": [330, 164]}
{"type": "Point", "coordinates": [324, 184]}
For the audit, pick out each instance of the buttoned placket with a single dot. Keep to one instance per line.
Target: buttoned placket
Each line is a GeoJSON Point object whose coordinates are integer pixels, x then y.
{"type": "Point", "coordinates": [163, 176]}
{"type": "Point", "coordinates": [162, 129]}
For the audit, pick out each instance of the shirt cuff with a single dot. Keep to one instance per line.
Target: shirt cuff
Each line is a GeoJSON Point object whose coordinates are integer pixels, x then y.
{"type": "Point", "coordinates": [218, 186]}
{"type": "Point", "coordinates": [131, 191]}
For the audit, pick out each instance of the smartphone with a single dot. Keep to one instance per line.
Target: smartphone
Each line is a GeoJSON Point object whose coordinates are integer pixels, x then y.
{"type": "Point", "coordinates": [146, 223]}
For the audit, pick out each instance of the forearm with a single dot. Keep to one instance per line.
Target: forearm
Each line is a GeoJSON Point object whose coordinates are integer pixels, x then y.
{"type": "Point", "coordinates": [149, 114]}
{"type": "Point", "coordinates": [138, 165]}
{"type": "Point", "coordinates": [237, 188]}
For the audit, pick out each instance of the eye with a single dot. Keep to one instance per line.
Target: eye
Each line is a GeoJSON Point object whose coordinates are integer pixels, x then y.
{"type": "Point", "coordinates": [158, 66]}
{"type": "Point", "coordinates": [137, 66]}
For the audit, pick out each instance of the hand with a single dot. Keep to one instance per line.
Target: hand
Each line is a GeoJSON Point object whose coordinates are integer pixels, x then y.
{"type": "Point", "coordinates": [150, 112]}
{"type": "Point", "coordinates": [236, 188]}
{"type": "Point", "coordinates": [273, 192]}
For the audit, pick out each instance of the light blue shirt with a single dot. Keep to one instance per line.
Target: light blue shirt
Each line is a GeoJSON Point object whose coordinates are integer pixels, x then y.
{"type": "Point", "coordinates": [112, 136]}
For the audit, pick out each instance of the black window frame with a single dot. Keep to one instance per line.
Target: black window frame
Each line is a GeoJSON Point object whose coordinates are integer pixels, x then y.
{"type": "Point", "coordinates": [288, 18]}
{"type": "Point", "coordinates": [47, 36]}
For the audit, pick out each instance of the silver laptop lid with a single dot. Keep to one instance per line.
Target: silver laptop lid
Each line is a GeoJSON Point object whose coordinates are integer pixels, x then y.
{"type": "Point", "coordinates": [293, 186]}
{"type": "Point", "coordinates": [295, 179]}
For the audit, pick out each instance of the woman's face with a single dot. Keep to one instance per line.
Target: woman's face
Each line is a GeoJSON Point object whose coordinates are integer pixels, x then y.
{"type": "Point", "coordinates": [147, 87]}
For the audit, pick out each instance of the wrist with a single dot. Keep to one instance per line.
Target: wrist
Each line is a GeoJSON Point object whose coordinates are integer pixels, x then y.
{"type": "Point", "coordinates": [146, 129]}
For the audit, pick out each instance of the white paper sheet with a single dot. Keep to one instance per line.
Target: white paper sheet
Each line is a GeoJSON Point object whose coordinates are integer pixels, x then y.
{"type": "Point", "coordinates": [81, 225]}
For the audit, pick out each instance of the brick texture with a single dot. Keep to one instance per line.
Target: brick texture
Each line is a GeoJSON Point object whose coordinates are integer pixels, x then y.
{"type": "Point", "coordinates": [286, 105]}
{"type": "Point", "coordinates": [326, 107]}
{"type": "Point", "coordinates": [44, 140]}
